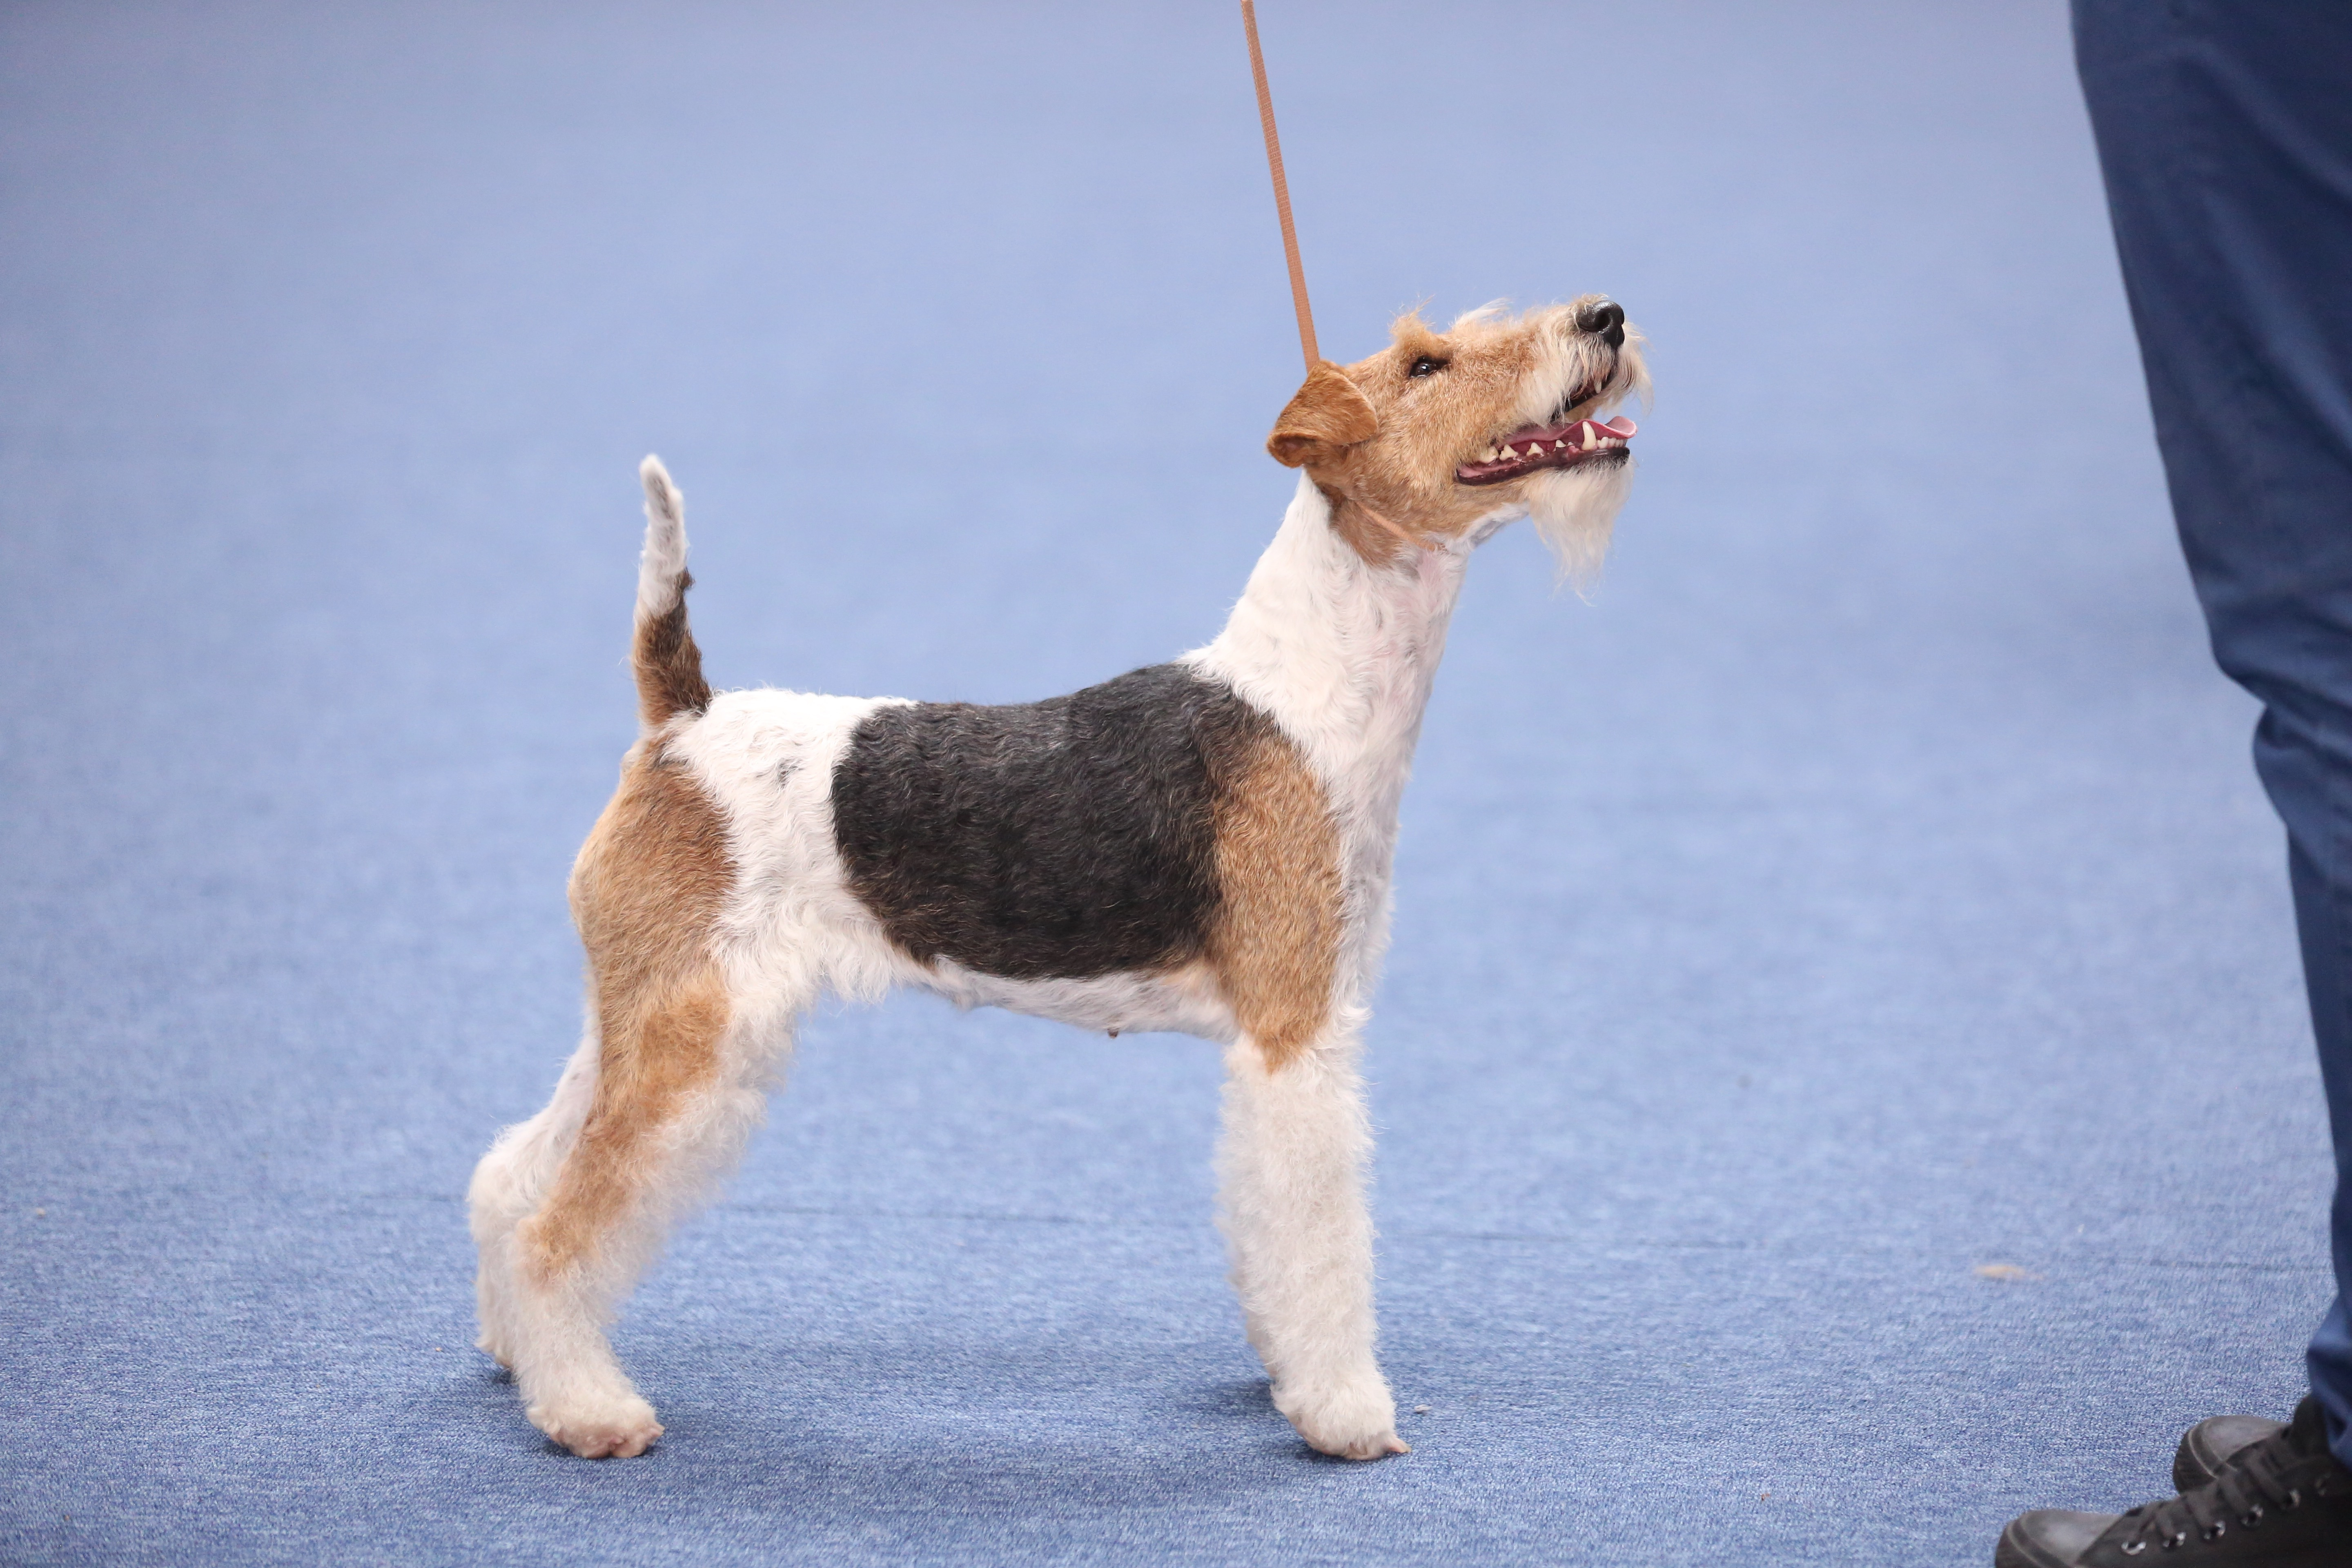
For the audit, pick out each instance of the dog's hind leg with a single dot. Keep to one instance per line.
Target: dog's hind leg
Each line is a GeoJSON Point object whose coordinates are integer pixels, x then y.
{"type": "Point", "coordinates": [676, 1096]}
{"type": "Point", "coordinates": [1291, 1204]}
{"type": "Point", "coordinates": [569, 1208]}
{"type": "Point", "coordinates": [512, 1181]}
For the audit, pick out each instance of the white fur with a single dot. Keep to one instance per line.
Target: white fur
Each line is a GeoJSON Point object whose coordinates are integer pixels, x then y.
{"type": "Point", "coordinates": [1573, 511]}
{"type": "Point", "coordinates": [1341, 655]}
{"type": "Point", "coordinates": [663, 565]}
{"type": "Point", "coordinates": [1291, 1202]}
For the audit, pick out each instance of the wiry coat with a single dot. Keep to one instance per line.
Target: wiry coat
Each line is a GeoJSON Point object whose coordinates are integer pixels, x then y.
{"type": "Point", "coordinates": [1201, 846]}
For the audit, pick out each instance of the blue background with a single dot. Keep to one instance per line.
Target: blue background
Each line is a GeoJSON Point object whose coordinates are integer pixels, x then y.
{"type": "Point", "coordinates": [1866, 885]}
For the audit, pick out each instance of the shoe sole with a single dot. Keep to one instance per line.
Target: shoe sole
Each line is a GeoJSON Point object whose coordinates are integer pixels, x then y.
{"type": "Point", "coordinates": [2016, 1551]}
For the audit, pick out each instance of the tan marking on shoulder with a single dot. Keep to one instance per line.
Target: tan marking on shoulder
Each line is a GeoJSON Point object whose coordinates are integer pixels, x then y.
{"type": "Point", "coordinates": [1275, 942]}
{"type": "Point", "coordinates": [646, 893]}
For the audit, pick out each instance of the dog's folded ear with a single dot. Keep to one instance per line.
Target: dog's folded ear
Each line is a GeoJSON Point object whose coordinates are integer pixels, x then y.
{"type": "Point", "coordinates": [1327, 414]}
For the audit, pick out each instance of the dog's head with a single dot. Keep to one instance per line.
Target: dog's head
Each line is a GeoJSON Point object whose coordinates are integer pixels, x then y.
{"type": "Point", "coordinates": [1494, 417]}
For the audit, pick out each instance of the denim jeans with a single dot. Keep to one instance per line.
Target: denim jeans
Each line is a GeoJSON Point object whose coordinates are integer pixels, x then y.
{"type": "Point", "coordinates": [2225, 133]}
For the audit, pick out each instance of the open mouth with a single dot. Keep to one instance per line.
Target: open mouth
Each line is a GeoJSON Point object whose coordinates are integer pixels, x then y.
{"type": "Point", "coordinates": [1562, 445]}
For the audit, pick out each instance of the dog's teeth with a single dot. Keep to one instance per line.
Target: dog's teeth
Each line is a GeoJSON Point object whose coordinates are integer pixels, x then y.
{"type": "Point", "coordinates": [1561, 445]}
{"type": "Point", "coordinates": [1592, 436]}
{"type": "Point", "coordinates": [1487, 456]}
{"type": "Point", "coordinates": [1509, 452]}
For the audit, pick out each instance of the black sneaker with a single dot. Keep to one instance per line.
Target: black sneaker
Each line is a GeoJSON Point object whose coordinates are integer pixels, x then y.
{"type": "Point", "coordinates": [2207, 1448]}
{"type": "Point", "coordinates": [2281, 1501]}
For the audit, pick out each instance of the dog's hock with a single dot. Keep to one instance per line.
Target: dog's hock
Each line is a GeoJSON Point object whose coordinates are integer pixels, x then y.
{"type": "Point", "coordinates": [1327, 414]}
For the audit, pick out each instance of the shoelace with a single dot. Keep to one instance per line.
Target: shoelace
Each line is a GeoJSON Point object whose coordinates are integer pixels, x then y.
{"type": "Point", "coordinates": [2260, 1480]}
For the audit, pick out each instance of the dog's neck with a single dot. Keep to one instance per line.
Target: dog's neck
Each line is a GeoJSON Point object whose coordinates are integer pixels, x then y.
{"type": "Point", "coordinates": [1343, 654]}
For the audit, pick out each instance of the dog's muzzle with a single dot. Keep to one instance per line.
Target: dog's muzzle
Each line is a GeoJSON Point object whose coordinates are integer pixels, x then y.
{"type": "Point", "coordinates": [1563, 443]}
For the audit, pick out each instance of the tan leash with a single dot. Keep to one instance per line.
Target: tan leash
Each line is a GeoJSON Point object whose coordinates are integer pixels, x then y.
{"type": "Point", "coordinates": [1281, 190]}
{"type": "Point", "coordinates": [1405, 537]}
{"type": "Point", "coordinates": [1290, 240]}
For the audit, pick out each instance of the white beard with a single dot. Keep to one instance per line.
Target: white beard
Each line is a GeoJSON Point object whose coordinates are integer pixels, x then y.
{"type": "Point", "coordinates": [1573, 511]}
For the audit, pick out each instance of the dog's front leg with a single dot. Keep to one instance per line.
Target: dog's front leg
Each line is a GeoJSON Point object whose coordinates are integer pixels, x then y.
{"type": "Point", "coordinates": [1292, 1207]}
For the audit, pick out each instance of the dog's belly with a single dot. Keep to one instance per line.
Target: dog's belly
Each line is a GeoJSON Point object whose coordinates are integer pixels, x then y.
{"type": "Point", "coordinates": [1068, 841]}
{"type": "Point", "coordinates": [1183, 1001]}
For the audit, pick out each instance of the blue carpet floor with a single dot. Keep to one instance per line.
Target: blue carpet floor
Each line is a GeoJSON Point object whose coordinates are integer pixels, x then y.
{"type": "Point", "coordinates": [1866, 886]}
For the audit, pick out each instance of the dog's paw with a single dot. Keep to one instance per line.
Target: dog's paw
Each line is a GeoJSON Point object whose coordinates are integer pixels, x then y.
{"type": "Point", "coordinates": [1370, 1445]}
{"type": "Point", "coordinates": [495, 1347]}
{"type": "Point", "coordinates": [1355, 1419]}
{"type": "Point", "coordinates": [619, 1428]}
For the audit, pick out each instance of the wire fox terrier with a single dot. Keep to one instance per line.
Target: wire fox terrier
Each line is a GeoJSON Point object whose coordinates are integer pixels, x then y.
{"type": "Point", "coordinates": [1201, 846]}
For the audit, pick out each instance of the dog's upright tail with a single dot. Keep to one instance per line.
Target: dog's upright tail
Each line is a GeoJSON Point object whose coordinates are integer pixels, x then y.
{"type": "Point", "coordinates": [669, 665]}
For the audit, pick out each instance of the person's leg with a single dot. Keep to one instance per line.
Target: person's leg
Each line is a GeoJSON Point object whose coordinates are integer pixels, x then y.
{"type": "Point", "coordinates": [2225, 135]}
{"type": "Point", "coordinates": [2320, 900]}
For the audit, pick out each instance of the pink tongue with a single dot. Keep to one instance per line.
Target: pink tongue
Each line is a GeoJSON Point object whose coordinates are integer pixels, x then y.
{"type": "Point", "coordinates": [1621, 427]}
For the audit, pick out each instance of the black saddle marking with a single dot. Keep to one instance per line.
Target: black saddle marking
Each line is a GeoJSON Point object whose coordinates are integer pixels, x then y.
{"type": "Point", "coordinates": [1068, 838]}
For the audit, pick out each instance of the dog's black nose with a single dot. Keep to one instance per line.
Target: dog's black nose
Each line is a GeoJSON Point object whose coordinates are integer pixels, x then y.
{"type": "Point", "coordinates": [1605, 320]}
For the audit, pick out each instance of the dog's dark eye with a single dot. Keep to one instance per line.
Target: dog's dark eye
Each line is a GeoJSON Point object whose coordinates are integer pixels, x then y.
{"type": "Point", "coordinates": [1425, 365]}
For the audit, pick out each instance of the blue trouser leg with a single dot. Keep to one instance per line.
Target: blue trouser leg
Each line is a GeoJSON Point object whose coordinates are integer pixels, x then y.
{"type": "Point", "coordinates": [2225, 133]}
